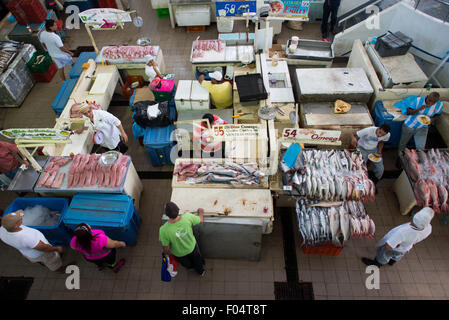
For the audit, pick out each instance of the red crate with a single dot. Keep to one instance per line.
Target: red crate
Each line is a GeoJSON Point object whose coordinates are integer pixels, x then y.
{"type": "Point", "coordinates": [326, 249]}
{"type": "Point", "coordinates": [127, 90]}
{"type": "Point", "coordinates": [17, 11]}
{"type": "Point", "coordinates": [34, 10]}
{"type": "Point", "coordinates": [48, 75]}
{"type": "Point", "coordinates": [107, 4]}
{"type": "Point", "coordinates": [59, 24]}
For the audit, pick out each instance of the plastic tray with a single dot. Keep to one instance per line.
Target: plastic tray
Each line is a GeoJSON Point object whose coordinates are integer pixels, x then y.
{"type": "Point", "coordinates": [251, 87]}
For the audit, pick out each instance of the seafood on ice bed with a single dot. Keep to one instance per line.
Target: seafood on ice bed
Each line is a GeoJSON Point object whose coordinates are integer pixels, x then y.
{"type": "Point", "coordinates": [429, 171]}
{"type": "Point", "coordinates": [332, 224]}
{"type": "Point", "coordinates": [85, 170]}
{"type": "Point", "coordinates": [330, 175]}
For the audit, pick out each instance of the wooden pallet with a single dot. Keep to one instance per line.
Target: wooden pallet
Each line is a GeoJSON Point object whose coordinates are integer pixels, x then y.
{"type": "Point", "coordinates": [196, 29]}
{"type": "Point", "coordinates": [182, 184]}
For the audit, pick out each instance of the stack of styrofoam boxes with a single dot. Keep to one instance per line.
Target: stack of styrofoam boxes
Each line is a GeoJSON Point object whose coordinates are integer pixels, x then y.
{"type": "Point", "coordinates": [190, 95]}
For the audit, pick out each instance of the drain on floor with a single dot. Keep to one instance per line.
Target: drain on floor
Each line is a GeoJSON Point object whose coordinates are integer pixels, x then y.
{"type": "Point", "coordinates": [293, 291]}
{"type": "Point", "coordinates": [15, 288]}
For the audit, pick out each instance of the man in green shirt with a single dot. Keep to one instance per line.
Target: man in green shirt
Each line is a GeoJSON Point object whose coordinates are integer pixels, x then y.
{"type": "Point", "coordinates": [176, 236]}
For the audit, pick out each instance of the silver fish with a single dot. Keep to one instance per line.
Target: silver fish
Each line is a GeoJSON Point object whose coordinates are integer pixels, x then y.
{"type": "Point", "coordinates": [295, 179]}
{"type": "Point", "coordinates": [334, 224]}
{"type": "Point", "coordinates": [344, 223]}
{"type": "Point", "coordinates": [331, 187]}
{"type": "Point", "coordinates": [220, 179]}
{"type": "Point", "coordinates": [224, 172]}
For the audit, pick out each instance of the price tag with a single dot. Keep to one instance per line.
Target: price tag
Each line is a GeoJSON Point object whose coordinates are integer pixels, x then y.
{"type": "Point", "coordinates": [360, 187]}
{"type": "Point", "coordinates": [288, 188]}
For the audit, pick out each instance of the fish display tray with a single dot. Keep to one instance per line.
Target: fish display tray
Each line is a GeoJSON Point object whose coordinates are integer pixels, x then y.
{"type": "Point", "coordinates": [183, 184]}
{"type": "Point", "coordinates": [311, 50]}
{"type": "Point", "coordinates": [94, 189]}
{"type": "Point", "coordinates": [229, 54]}
{"type": "Point", "coordinates": [100, 58]}
{"type": "Point", "coordinates": [327, 249]}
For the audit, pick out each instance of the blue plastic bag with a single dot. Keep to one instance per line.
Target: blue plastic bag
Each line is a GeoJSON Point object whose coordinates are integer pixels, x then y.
{"type": "Point", "coordinates": [165, 275]}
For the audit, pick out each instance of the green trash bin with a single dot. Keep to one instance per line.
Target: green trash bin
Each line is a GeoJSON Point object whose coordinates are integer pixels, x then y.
{"type": "Point", "coordinates": [39, 62]}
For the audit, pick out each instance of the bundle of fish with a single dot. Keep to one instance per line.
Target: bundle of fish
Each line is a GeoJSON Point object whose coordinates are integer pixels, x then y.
{"type": "Point", "coordinates": [324, 225]}
{"type": "Point", "coordinates": [212, 172]}
{"type": "Point", "coordinates": [330, 175]}
{"type": "Point", "coordinates": [430, 172]}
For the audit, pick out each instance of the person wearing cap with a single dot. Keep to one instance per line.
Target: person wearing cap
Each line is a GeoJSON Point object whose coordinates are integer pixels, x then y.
{"type": "Point", "coordinates": [53, 44]}
{"type": "Point", "coordinates": [220, 92]}
{"type": "Point", "coordinates": [114, 136]}
{"type": "Point", "coordinates": [204, 135]}
{"type": "Point", "coordinates": [31, 243]}
{"type": "Point", "coordinates": [151, 69]}
{"type": "Point", "coordinates": [396, 243]}
{"type": "Point", "coordinates": [10, 159]}
{"type": "Point", "coordinates": [97, 247]}
{"type": "Point", "coordinates": [176, 236]}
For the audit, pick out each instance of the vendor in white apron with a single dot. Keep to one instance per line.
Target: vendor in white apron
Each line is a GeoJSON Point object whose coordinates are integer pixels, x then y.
{"type": "Point", "coordinates": [151, 69]}
{"type": "Point", "coordinates": [109, 130]}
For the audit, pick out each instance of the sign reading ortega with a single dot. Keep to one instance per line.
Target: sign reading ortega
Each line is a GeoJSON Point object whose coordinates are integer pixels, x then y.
{"type": "Point", "coordinates": [313, 136]}
{"type": "Point", "coordinates": [234, 131]}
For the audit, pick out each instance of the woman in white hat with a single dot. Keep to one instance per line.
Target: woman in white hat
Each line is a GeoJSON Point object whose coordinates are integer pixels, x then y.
{"type": "Point", "coordinates": [108, 127]}
{"type": "Point", "coordinates": [400, 240]}
{"type": "Point", "coordinates": [151, 69]}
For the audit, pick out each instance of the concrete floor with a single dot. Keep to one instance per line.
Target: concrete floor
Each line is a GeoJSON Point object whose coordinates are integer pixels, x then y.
{"type": "Point", "coordinates": [422, 274]}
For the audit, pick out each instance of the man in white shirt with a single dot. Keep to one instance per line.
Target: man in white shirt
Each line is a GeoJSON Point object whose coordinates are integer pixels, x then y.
{"type": "Point", "coordinates": [53, 44]}
{"type": "Point", "coordinates": [400, 240]}
{"type": "Point", "coordinates": [110, 126]}
{"type": "Point", "coordinates": [31, 243]}
{"type": "Point", "coordinates": [371, 140]}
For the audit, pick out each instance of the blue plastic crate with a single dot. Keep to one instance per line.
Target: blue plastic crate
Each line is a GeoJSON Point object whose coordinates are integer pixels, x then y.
{"type": "Point", "coordinates": [131, 101]}
{"type": "Point", "coordinates": [63, 96]}
{"type": "Point", "coordinates": [113, 213]}
{"type": "Point", "coordinates": [57, 235]}
{"type": "Point", "coordinates": [76, 70]}
{"type": "Point", "coordinates": [158, 144]}
{"type": "Point", "coordinates": [382, 116]}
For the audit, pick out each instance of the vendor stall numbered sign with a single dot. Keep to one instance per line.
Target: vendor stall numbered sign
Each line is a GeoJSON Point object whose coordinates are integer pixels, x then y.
{"type": "Point", "coordinates": [36, 134]}
{"type": "Point", "coordinates": [289, 9]}
{"type": "Point", "coordinates": [236, 131]}
{"type": "Point", "coordinates": [313, 136]}
{"type": "Point", "coordinates": [234, 8]}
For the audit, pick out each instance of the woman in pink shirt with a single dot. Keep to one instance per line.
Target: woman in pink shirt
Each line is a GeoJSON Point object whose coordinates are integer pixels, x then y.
{"type": "Point", "coordinates": [96, 247]}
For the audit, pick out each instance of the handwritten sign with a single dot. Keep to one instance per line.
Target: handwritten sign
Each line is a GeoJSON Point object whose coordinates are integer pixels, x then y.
{"type": "Point", "coordinates": [313, 136]}
{"type": "Point", "coordinates": [236, 131]}
{"type": "Point", "coordinates": [289, 8]}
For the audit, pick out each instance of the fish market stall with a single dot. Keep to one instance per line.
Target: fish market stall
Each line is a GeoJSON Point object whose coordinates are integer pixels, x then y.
{"type": "Point", "coordinates": [208, 55]}
{"type": "Point", "coordinates": [16, 80]}
{"type": "Point", "coordinates": [424, 180]}
{"type": "Point", "coordinates": [97, 83]}
{"type": "Point", "coordinates": [234, 222]}
{"type": "Point", "coordinates": [277, 80]}
{"type": "Point", "coordinates": [330, 84]}
{"type": "Point", "coordinates": [131, 58]}
{"type": "Point", "coordinates": [320, 115]}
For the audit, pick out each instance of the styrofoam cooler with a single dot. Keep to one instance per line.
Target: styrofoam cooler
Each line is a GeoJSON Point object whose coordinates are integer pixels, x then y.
{"type": "Point", "coordinates": [229, 38]}
{"type": "Point", "coordinates": [194, 15]}
{"type": "Point", "coordinates": [57, 235]}
{"type": "Point", "coordinates": [113, 213]}
{"type": "Point", "coordinates": [199, 97]}
{"type": "Point", "coordinates": [158, 144]}
{"type": "Point", "coordinates": [182, 97]}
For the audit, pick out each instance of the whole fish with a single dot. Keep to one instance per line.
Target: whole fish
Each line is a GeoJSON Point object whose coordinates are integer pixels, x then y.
{"type": "Point", "coordinates": [295, 179]}
{"type": "Point", "coordinates": [235, 166]}
{"type": "Point", "coordinates": [372, 228]}
{"type": "Point", "coordinates": [344, 223]}
{"type": "Point", "coordinates": [334, 224]}
{"type": "Point", "coordinates": [324, 225]}
{"type": "Point", "coordinates": [434, 194]}
{"type": "Point", "coordinates": [422, 193]}
{"type": "Point", "coordinates": [308, 185]}
{"type": "Point", "coordinates": [422, 157]}
{"type": "Point", "coordinates": [443, 195]}
{"type": "Point", "coordinates": [350, 189]}
{"type": "Point", "coordinates": [325, 188]}
{"type": "Point", "coordinates": [213, 178]}
{"type": "Point", "coordinates": [331, 181]}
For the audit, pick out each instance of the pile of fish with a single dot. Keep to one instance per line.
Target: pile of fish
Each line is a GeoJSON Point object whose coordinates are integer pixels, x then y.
{"type": "Point", "coordinates": [85, 171]}
{"type": "Point", "coordinates": [323, 225]}
{"type": "Point", "coordinates": [330, 175]}
{"type": "Point", "coordinates": [50, 177]}
{"type": "Point", "coordinates": [129, 52]}
{"type": "Point", "coordinates": [202, 46]}
{"type": "Point", "coordinates": [212, 172]}
{"type": "Point", "coordinates": [430, 172]}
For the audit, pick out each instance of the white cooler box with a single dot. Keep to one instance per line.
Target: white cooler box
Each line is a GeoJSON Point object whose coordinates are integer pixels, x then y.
{"type": "Point", "coordinates": [199, 97]}
{"type": "Point", "coordinates": [195, 15]}
{"type": "Point", "coordinates": [182, 97]}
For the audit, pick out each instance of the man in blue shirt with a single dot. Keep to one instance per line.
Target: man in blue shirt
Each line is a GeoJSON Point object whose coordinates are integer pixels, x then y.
{"type": "Point", "coordinates": [412, 126]}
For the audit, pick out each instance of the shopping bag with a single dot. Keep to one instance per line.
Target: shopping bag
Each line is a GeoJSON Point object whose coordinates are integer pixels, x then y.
{"type": "Point", "coordinates": [172, 265]}
{"type": "Point", "coordinates": [165, 275]}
